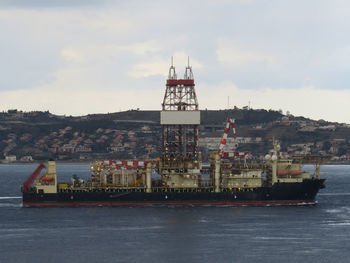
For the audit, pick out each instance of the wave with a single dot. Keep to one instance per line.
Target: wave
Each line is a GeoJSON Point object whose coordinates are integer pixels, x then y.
{"type": "Point", "coordinates": [132, 228]}
{"type": "Point", "coordinates": [335, 194]}
{"type": "Point", "coordinates": [339, 224]}
{"type": "Point", "coordinates": [334, 211]}
{"type": "Point", "coordinates": [10, 205]}
{"type": "Point", "coordinates": [284, 238]}
{"type": "Point", "coordinates": [9, 197]}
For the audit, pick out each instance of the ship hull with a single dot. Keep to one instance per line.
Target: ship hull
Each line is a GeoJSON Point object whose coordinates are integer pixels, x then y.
{"type": "Point", "coordinates": [302, 193]}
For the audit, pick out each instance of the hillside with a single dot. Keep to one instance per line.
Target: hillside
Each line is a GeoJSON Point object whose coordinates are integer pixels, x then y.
{"type": "Point", "coordinates": [136, 134]}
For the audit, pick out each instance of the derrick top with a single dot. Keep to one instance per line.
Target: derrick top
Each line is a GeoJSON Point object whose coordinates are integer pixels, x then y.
{"type": "Point", "coordinates": [186, 81]}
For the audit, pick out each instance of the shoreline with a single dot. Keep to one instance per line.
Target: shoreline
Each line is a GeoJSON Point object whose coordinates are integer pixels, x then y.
{"type": "Point", "coordinates": [90, 161]}
{"type": "Point", "coordinates": [58, 162]}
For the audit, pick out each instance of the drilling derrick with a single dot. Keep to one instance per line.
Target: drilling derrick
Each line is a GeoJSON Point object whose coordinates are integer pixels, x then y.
{"type": "Point", "coordinates": [180, 119]}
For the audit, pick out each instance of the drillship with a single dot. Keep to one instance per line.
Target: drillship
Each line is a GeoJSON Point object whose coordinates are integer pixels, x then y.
{"type": "Point", "coordinates": [178, 177]}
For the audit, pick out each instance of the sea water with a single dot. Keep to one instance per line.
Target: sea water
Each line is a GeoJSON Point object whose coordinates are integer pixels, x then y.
{"type": "Point", "coordinates": [318, 233]}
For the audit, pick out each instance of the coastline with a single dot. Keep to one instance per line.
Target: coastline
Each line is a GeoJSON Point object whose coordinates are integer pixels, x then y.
{"type": "Point", "coordinates": [58, 162]}
{"type": "Point", "coordinates": [90, 161]}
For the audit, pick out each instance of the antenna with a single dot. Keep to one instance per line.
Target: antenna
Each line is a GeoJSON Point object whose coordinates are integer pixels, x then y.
{"type": "Point", "coordinates": [188, 71]}
{"type": "Point", "coordinates": [172, 72]}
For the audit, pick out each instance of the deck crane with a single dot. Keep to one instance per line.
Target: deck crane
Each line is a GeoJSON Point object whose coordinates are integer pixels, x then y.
{"type": "Point", "coordinates": [242, 155]}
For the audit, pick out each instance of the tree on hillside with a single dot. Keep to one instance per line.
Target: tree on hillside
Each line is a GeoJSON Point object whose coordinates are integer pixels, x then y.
{"type": "Point", "coordinates": [326, 146]}
{"type": "Point", "coordinates": [341, 151]}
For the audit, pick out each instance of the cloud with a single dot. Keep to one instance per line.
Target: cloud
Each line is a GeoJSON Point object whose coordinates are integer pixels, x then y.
{"type": "Point", "coordinates": [110, 23]}
{"type": "Point", "coordinates": [336, 60]}
{"type": "Point", "coordinates": [230, 54]}
{"type": "Point", "coordinates": [36, 41]}
{"type": "Point", "coordinates": [50, 4]}
{"type": "Point", "coordinates": [71, 55]}
{"type": "Point", "coordinates": [76, 57]}
{"type": "Point", "coordinates": [154, 66]}
{"type": "Point", "coordinates": [159, 65]}
{"type": "Point", "coordinates": [308, 101]}
{"type": "Point", "coordinates": [78, 101]}
{"type": "Point", "coordinates": [90, 52]}
{"type": "Point", "coordinates": [71, 23]}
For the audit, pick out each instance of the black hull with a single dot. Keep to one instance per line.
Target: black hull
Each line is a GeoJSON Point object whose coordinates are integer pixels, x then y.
{"type": "Point", "coordinates": [280, 194]}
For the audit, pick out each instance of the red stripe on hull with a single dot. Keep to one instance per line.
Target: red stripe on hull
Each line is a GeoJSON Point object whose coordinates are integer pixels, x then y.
{"type": "Point", "coordinates": [188, 203]}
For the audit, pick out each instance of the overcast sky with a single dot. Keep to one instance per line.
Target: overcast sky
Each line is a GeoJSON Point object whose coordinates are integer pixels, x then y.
{"type": "Point", "coordinates": [77, 57]}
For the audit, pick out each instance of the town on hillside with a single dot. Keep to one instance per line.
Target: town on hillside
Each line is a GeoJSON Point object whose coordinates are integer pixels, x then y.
{"type": "Point", "coordinates": [134, 134]}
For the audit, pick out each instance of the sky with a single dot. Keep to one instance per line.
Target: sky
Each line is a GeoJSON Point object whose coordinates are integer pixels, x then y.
{"type": "Point", "coordinates": [77, 57]}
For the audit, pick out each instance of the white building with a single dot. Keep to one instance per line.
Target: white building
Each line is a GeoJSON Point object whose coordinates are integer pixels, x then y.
{"type": "Point", "coordinates": [10, 158]}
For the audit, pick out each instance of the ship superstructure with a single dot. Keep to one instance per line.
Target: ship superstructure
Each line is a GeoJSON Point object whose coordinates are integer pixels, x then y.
{"type": "Point", "coordinates": [177, 177]}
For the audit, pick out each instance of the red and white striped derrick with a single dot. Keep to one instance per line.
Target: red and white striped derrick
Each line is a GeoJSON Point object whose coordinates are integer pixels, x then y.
{"type": "Point", "coordinates": [242, 155]}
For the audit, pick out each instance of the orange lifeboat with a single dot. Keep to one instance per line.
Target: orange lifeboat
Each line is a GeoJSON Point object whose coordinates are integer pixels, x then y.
{"type": "Point", "coordinates": [292, 172]}
{"type": "Point", "coordinates": [295, 172]}
{"type": "Point", "coordinates": [282, 172]}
